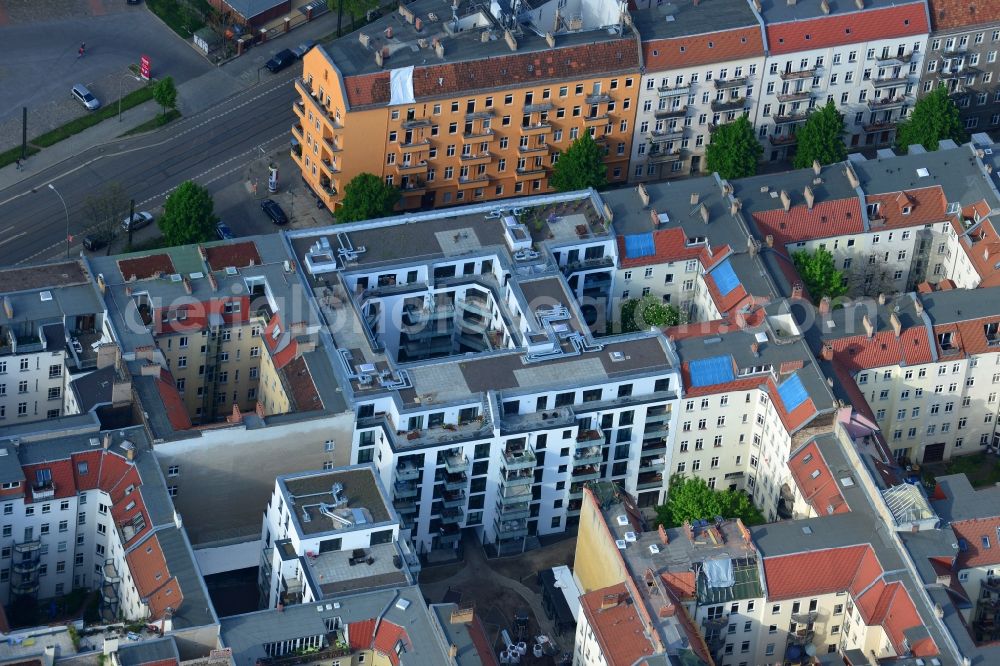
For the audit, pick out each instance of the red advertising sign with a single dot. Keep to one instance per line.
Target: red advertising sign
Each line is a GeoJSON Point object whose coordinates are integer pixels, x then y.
{"type": "Point", "coordinates": [144, 67]}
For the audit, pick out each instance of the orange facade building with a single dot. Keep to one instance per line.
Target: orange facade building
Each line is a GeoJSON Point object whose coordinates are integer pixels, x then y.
{"type": "Point", "coordinates": [458, 106]}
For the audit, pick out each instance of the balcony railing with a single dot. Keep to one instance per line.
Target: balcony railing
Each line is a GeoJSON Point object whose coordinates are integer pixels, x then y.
{"type": "Point", "coordinates": [667, 91]}
{"type": "Point", "coordinates": [598, 98]}
{"type": "Point", "coordinates": [795, 96]}
{"type": "Point", "coordinates": [790, 118]}
{"type": "Point", "coordinates": [798, 74]}
{"type": "Point", "coordinates": [879, 126]}
{"type": "Point", "coordinates": [887, 81]}
{"type": "Point", "coordinates": [728, 104]}
{"type": "Point", "coordinates": [43, 490]}
{"type": "Point", "coordinates": [540, 107]}
{"type": "Point", "coordinates": [782, 139]}
{"type": "Point", "coordinates": [519, 459]}
{"type": "Point", "coordinates": [306, 657]}
{"type": "Point", "coordinates": [722, 84]}
{"type": "Point", "coordinates": [886, 103]}
{"type": "Point", "coordinates": [672, 112]}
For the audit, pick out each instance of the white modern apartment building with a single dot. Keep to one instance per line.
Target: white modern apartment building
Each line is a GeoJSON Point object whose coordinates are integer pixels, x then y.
{"type": "Point", "coordinates": [866, 57]}
{"type": "Point", "coordinates": [702, 68]}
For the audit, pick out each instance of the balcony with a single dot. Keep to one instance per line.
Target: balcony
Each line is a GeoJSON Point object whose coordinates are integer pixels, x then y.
{"type": "Point", "coordinates": [306, 93]}
{"type": "Point", "coordinates": [728, 104]}
{"type": "Point", "coordinates": [24, 587]}
{"type": "Point", "coordinates": [297, 132]}
{"type": "Point", "coordinates": [541, 107]}
{"type": "Point", "coordinates": [661, 156]}
{"type": "Point", "coordinates": [513, 495]}
{"type": "Point", "coordinates": [519, 459]}
{"type": "Point", "coordinates": [515, 511]}
{"type": "Point", "coordinates": [598, 98]}
{"type": "Point", "coordinates": [468, 182]}
{"type": "Point", "coordinates": [299, 107]}
{"type": "Point", "coordinates": [26, 567]}
{"type": "Point", "coordinates": [452, 516]}
{"type": "Point", "coordinates": [27, 547]}
{"type": "Point", "coordinates": [402, 490]}
{"type": "Point", "coordinates": [454, 499]}
{"type": "Point", "coordinates": [413, 187]}
{"type": "Point", "coordinates": [449, 534]}
{"type": "Point", "coordinates": [653, 447]}
{"type": "Point", "coordinates": [790, 118]}
{"type": "Point", "coordinates": [884, 104]}
{"type": "Point", "coordinates": [536, 128]}
{"type": "Point", "coordinates": [331, 145]}
{"type": "Point", "coordinates": [672, 112]}
{"type": "Point", "coordinates": [414, 123]}
{"type": "Point", "coordinates": [886, 82]}
{"type": "Point", "coordinates": [666, 135]}
{"type": "Point", "coordinates": [798, 74]}
{"type": "Point", "coordinates": [529, 172]}
{"type": "Point", "coordinates": [667, 91]}
{"type": "Point", "coordinates": [484, 135]}
{"type": "Point", "coordinates": [649, 480]}
{"type": "Point", "coordinates": [326, 654]}
{"type": "Point", "coordinates": [328, 167]}
{"type": "Point", "coordinates": [804, 618]}
{"type": "Point", "coordinates": [796, 96]}
{"type": "Point", "coordinates": [896, 60]}
{"type": "Point", "coordinates": [456, 481]}
{"type": "Point", "coordinates": [524, 477]}
{"type": "Point", "coordinates": [782, 139]}
{"type": "Point", "coordinates": [801, 637]}
{"type": "Point", "coordinates": [111, 574]}
{"type": "Point", "coordinates": [588, 456]}
{"type": "Point", "coordinates": [879, 126]}
{"type": "Point", "coordinates": [475, 305]}
{"type": "Point", "coordinates": [414, 144]}
{"type": "Point", "coordinates": [586, 473]}
{"type": "Point", "coordinates": [479, 158]}
{"type": "Point", "coordinates": [723, 84]}
{"type": "Point", "coordinates": [456, 463]}
{"type": "Point", "coordinates": [537, 148]}
{"type": "Point", "coordinates": [654, 430]}
{"type": "Point", "coordinates": [479, 115]}
{"type": "Point", "coordinates": [41, 491]}
{"type": "Point", "coordinates": [412, 167]}
{"type": "Point", "coordinates": [512, 529]}
{"type": "Point", "coordinates": [327, 186]}
{"type": "Point", "coordinates": [405, 506]}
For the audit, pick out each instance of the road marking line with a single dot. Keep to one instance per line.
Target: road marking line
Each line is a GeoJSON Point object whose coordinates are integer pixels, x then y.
{"type": "Point", "coordinates": [15, 237]}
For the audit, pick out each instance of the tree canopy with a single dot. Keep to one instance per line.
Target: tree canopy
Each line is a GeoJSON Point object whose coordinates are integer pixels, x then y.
{"type": "Point", "coordinates": [580, 166]}
{"type": "Point", "coordinates": [104, 210]}
{"type": "Point", "coordinates": [819, 274]}
{"type": "Point", "coordinates": [734, 150]}
{"type": "Point", "coordinates": [690, 498]}
{"type": "Point", "coordinates": [188, 215]}
{"type": "Point", "coordinates": [367, 196]}
{"type": "Point", "coordinates": [821, 138]}
{"type": "Point", "coordinates": [935, 117]}
{"type": "Point", "coordinates": [641, 314]}
{"type": "Point", "coordinates": [165, 93]}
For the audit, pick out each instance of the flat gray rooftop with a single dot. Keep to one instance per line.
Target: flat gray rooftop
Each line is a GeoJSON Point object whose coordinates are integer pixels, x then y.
{"type": "Point", "coordinates": [307, 491]}
{"type": "Point", "coordinates": [780, 11]}
{"type": "Point", "coordinates": [690, 19]}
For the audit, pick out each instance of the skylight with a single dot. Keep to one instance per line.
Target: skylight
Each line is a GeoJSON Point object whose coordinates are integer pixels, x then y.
{"type": "Point", "coordinates": [923, 172]}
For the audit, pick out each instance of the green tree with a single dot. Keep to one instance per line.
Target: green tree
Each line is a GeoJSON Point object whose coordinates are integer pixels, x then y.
{"type": "Point", "coordinates": [935, 117]}
{"type": "Point", "coordinates": [165, 94]}
{"type": "Point", "coordinates": [641, 314]}
{"type": "Point", "coordinates": [580, 166]}
{"type": "Point", "coordinates": [355, 8]}
{"type": "Point", "coordinates": [819, 274]}
{"type": "Point", "coordinates": [691, 499]}
{"type": "Point", "coordinates": [365, 197]}
{"type": "Point", "coordinates": [820, 138]}
{"type": "Point", "coordinates": [104, 210]}
{"type": "Point", "coordinates": [734, 150]}
{"type": "Point", "coordinates": [188, 215]}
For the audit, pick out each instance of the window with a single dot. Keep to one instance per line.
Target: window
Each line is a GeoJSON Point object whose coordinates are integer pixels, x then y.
{"type": "Point", "coordinates": [173, 470]}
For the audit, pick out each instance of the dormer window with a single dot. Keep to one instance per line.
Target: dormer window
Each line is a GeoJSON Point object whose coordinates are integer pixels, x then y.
{"type": "Point", "coordinates": [907, 209]}
{"type": "Point", "coordinates": [944, 340]}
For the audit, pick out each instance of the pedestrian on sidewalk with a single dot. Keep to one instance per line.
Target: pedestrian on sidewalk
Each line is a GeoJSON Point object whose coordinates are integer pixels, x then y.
{"type": "Point", "coordinates": [83, 49]}
{"type": "Point", "coordinates": [17, 164]}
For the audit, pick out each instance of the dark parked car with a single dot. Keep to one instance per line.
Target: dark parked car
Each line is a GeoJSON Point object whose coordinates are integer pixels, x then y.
{"type": "Point", "coordinates": [223, 231]}
{"type": "Point", "coordinates": [281, 60]}
{"type": "Point", "coordinates": [303, 48]}
{"type": "Point", "coordinates": [94, 242]}
{"type": "Point", "coordinates": [273, 211]}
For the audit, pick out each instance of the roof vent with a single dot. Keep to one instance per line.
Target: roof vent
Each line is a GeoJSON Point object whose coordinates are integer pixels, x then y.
{"type": "Point", "coordinates": [922, 172]}
{"type": "Point", "coordinates": [45, 295]}
{"type": "Point", "coordinates": [617, 356]}
{"type": "Point", "coordinates": [654, 548]}
{"type": "Point", "coordinates": [197, 276]}
{"type": "Point", "coordinates": [622, 520]}
{"type": "Point", "coordinates": [620, 543]}
{"type": "Point", "coordinates": [94, 441]}
{"type": "Point", "coordinates": [230, 270]}
{"type": "Point", "coordinates": [175, 277]}
{"type": "Point", "coordinates": [847, 482]}
{"type": "Point", "coordinates": [807, 530]}
{"type": "Point", "coordinates": [403, 604]}
{"type": "Point", "coordinates": [630, 537]}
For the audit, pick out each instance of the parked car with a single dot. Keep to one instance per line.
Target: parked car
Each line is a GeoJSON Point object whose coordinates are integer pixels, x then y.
{"type": "Point", "coordinates": [281, 60]}
{"type": "Point", "coordinates": [138, 221]}
{"type": "Point", "coordinates": [223, 231]}
{"type": "Point", "coordinates": [84, 96]}
{"type": "Point", "coordinates": [95, 241]}
{"type": "Point", "coordinates": [273, 211]}
{"type": "Point", "coordinates": [303, 48]}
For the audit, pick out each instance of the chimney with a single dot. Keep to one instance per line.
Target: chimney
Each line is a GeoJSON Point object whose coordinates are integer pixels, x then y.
{"type": "Point", "coordinates": [791, 3]}
{"type": "Point", "coordinates": [881, 298]}
{"type": "Point", "coordinates": [100, 282]}
{"type": "Point", "coordinates": [809, 196]}
{"type": "Point", "coordinates": [755, 349]}
{"type": "Point", "coordinates": [483, 37]}
{"type": "Point", "coordinates": [418, 24]}
{"type": "Point", "coordinates": [860, 4]}
{"type": "Point", "coordinates": [550, 40]}
{"type": "Point", "coordinates": [643, 195]}
{"type": "Point", "coordinates": [703, 209]}
{"type": "Point", "coordinates": [259, 409]}
{"type": "Point", "coordinates": [734, 206]}
{"type": "Point", "coordinates": [405, 12]}
{"type": "Point", "coordinates": [452, 651]}
{"type": "Point", "coordinates": [786, 201]}
{"type": "Point", "coordinates": [662, 531]}
{"type": "Point", "coordinates": [867, 323]}
{"type": "Point", "coordinates": [108, 355]}
{"type": "Point", "coordinates": [824, 305]}
{"type": "Point", "coordinates": [852, 177]}
{"type": "Point", "coordinates": [388, 32]}
{"type": "Point", "coordinates": [938, 611]}
{"type": "Point", "coordinates": [609, 214]}
{"type": "Point", "coordinates": [130, 454]}
{"type": "Point", "coordinates": [827, 353]}
{"type": "Point", "coordinates": [817, 168]}
{"type": "Point", "coordinates": [508, 37]}
{"type": "Point", "coordinates": [8, 309]}
{"type": "Point", "coordinates": [213, 282]}
{"type": "Point", "coordinates": [918, 305]}
{"type": "Point", "coordinates": [769, 239]}
{"type": "Point", "coordinates": [824, 7]}
{"type": "Point", "coordinates": [364, 39]}
{"type": "Point", "coordinates": [379, 58]}
{"type": "Point", "coordinates": [187, 286]}
{"type": "Point", "coordinates": [695, 197]}
{"type": "Point", "coordinates": [655, 217]}
{"type": "Point", "coordinates": [797, 290]}
{"type": "Point", "coordinates": [439, 49]}
{"type": "Point", "coordinates": [756, 5]}
{"type": "Point", "coordinates": [752, 247]}
{"type": "Point", "coordinates": [106, 442]}
{"type": "Point", "coordinates": [897, 326]}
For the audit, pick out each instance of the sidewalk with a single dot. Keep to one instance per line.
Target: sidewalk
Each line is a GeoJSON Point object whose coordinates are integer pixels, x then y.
{"type": "Point", "coordinates": [195, 96]}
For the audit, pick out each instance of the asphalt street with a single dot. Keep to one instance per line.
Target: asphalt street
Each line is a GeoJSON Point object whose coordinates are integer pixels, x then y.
{"type": "Point", "coordinates": [217, 148]}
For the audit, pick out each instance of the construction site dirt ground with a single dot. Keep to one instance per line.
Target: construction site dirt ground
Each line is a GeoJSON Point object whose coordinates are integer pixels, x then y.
{"type": "Point", "coordinates": [500, 588]}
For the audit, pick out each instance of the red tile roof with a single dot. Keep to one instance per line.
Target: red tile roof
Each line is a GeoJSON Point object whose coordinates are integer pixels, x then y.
{"type": "Point", "coordinates": [847, 28]}
{"type": "Point", "coordinates": [826, 219]}
{"type": "Point", "coordinates": [811, 573]}
{"type": "Point", "coordinates": [859, 352]}
{"type": "Point", "coordinates": [984, 252]}
{"type": "Point", "coordinates": [305, 397]}
{"type": "Point", "coordinates": [479, 640]}
{"type": "Point", "coordinates": [710, 47]}
{"type": "Point", "coordinates": [506, 71]}
{"type": "Point", "coordinates": [669, 245]}
{"type": "Point", "coordinates": [386, 638]}
{"type": "Point", "coordinates": [618, 629]}
{"type": "Point", "coordinates": [821, 490]}
{"type": "Point", "coordinates": [976, 534]}
{"type": "Point", "coordinates": [680, 583]}
{"type": "Point", "coordinates": [946, 14]}
{"type": "Point", "coordinates": [142, 268]}
{"type": "Point", "coordinates": [238, 255]}
{"type": "Point", "coordinates": [926, 204]}
{"type": "Point", "coordinates": [360, 634]}
{"type": "Point", "coordinates": [62, 477]}
{"type": "Point", "coordinates": [173, 404]}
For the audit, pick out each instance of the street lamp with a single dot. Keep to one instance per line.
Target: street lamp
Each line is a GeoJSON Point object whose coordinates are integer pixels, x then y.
{"type": "Point", "coordinates": [65, 210]}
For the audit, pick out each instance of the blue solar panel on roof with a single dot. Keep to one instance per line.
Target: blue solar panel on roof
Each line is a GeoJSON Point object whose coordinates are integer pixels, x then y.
{"type": "Point", "coordinates": [792, 393]}
{"type": "Point", "coordinates": [711, 371]}
{"type": "Point", "coordinates": [725, 278]}
{"type": "Point", "coordinates": [639, 245]}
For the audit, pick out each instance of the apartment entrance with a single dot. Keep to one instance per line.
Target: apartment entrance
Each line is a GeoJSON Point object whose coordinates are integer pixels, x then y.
{"type": "Point", "coordinates": [933, 453]}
